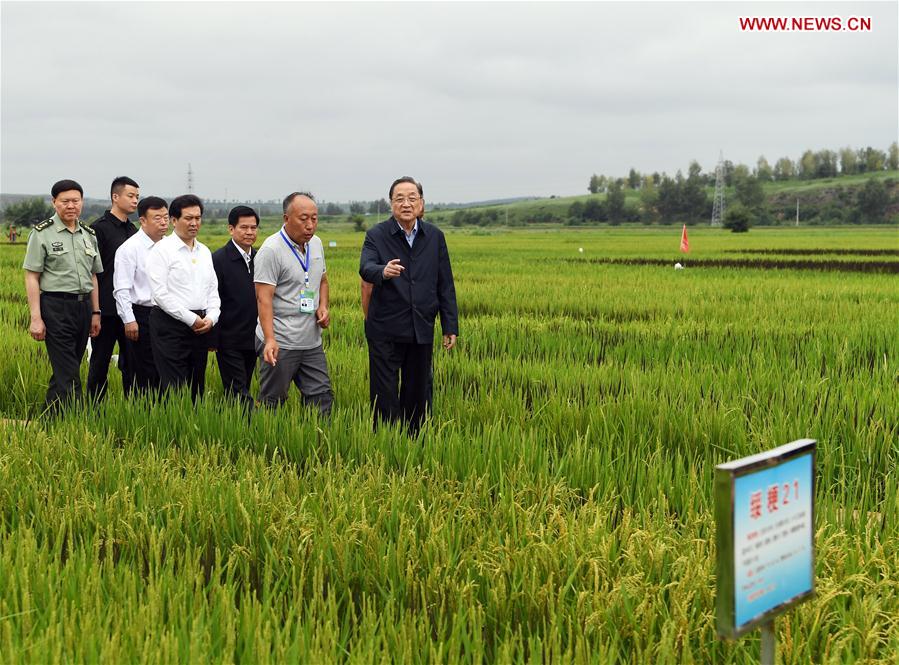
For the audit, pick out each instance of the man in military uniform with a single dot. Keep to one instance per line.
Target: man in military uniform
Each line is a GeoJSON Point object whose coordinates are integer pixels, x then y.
{"type": "Point", "coordinates": [62, 260]}
{"type": "Point", "coordinates": [112, 229]}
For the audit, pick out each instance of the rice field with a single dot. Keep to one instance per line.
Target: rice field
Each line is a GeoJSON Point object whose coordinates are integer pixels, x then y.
{"type": "Point", "coordinates": [557, 507]}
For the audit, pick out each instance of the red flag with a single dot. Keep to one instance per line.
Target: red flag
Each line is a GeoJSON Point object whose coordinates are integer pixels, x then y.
{"type": "Point", "coordinates": [684, 242]}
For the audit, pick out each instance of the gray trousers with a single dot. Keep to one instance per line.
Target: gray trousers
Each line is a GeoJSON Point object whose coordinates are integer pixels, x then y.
{"type": "Point", "coordinates": [307, 368]}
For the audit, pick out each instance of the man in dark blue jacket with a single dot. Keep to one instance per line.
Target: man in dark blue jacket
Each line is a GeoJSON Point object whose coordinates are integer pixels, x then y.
{"type": "Point", "coordinates": [407, 262]}
{"type": "Point", "coordinates": [235, 333]}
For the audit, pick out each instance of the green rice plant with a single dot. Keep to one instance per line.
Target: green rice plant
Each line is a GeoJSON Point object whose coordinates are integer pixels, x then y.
{"type": "Point", "coordinates": [556, 508]}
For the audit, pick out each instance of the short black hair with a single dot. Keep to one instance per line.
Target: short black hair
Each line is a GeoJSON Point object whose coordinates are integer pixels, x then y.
{"type": "Point", "coordinates": [179, 203]}
{"type": "Point", "coordinates": [65, 186]}
{"type": "Point", "coordinates": [119, 184]}
{"type": "Point", "coordinates": [150, 203]}
{"type": "Point", "coordinates": [241, 211]}
{"type": "Point", "coordinates": [406, 178]}
{"type": "Point", "coordinates": [290, 197]}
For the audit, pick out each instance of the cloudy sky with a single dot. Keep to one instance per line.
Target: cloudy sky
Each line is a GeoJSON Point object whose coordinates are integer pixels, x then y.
{"type": "Point", "coordinates": [478, 100]}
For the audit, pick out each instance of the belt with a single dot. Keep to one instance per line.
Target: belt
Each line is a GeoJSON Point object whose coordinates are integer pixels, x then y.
{"type": "Point", "coordinates": [199, 312]}
{"type": "Point", "coordinates": [141, 308]}
{"type": "Point", "coordinates": [80, 297]}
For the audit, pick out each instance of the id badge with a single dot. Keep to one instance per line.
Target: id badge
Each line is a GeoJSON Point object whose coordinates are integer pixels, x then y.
{"type": "Point", "coordinates": [307, 301]}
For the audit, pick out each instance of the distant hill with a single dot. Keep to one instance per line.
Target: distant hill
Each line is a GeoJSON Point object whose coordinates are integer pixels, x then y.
{"type": "Point", "coordinates": [483, 204]}
{"type": "Point", "coordinates": [821, 201]}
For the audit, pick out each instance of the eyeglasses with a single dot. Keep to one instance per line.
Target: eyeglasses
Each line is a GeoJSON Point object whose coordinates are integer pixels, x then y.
{"type": "Point", "coordinates": [412, 200]}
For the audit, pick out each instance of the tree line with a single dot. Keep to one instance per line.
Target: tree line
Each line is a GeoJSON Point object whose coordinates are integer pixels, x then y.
{"type": "Point", "coordinates": [810, 165]}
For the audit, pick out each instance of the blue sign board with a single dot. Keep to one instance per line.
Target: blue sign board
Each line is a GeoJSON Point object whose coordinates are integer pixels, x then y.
{"type": "Point", "coordinates": [765, 520]}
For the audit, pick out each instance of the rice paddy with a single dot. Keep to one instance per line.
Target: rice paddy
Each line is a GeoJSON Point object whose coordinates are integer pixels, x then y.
{"type": "Point", "coordinates": [557, 508]}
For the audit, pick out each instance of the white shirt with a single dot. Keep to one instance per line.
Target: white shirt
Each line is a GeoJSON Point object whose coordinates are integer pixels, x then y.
{"type": "Point", "coordinates": [246, 257]}
{"type": "Point", "coordinates": [130, 285]}
{"type": "Point", "coordinates": [182, 279]}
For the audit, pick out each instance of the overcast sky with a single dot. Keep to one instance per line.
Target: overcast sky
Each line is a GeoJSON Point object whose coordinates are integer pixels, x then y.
{"type": "Point", "coordinates": [477, 100]}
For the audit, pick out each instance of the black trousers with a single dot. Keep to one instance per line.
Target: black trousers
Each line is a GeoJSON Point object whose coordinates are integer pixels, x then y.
{"type": "Point", "coordinates": [236, 367]}
{"type": "Point", "coordinates": [400, 382]}
{"type": "Point", "coordinates": [112, 330]}
{"type": "Point", "coordinates": [180, 353]}
{"type": "Point", "coordinates": [140, 353]}
{"type": "Point", "coordinates": [68, 323]}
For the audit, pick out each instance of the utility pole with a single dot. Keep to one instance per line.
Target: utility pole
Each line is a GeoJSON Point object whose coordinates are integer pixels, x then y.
{"type": "Point", "coordinates": [797, 211]}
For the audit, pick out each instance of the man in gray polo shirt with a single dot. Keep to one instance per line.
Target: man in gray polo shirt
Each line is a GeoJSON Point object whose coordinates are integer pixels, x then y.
{"type": "Point", "coordinates": [292, 299]}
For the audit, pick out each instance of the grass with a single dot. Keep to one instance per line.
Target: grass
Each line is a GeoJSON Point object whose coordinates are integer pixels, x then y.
{"type": "Point", "coordinates": [556, 509]}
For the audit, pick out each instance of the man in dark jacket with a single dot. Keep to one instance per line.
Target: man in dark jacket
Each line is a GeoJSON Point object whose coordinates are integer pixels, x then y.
{"type": "Point", "coordinates": [407, 263]}
{"type": "Point", "coordinates": [112, 229]}
{"type": "Point", "coordinates": [235, 333]}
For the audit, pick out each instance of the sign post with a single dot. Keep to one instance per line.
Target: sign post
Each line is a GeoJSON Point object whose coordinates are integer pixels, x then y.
{"type": "Point", "coordinates": [765, 515]}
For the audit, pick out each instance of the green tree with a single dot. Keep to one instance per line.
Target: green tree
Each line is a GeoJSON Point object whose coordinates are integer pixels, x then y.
{"type": "Point", "coordinates": [576, 210]}
{"type": "Point", "coordinates": [378, 207]}
{"type": "Point", "coordinates": [633, 179]}
{"type": "Point", "coordinates": [333, 209]}
{"type": "Point", "coordinates": [615, 202]}
{"type": "Point", "coordinates": [28, 212]}
{"type": "Point", "coordinates": [784, 169]}
{"type": "Point", "coordinates": [694, 200]}
{"type": "Point", "coordinates": [669, 204]}
{"type": "Point", "coordinates": [872, 201]}
{"type": "Point", "coordinates": [593, 187]}
{"type": "Point", "coordinates": [848, 161]}
{"type": "Point", "coordinates": [825, 164]}
{"type": "Point", "coordinates": [737, 219]}
{"type": "Point", "coordinates": [763, 170]}
{"type": "Point", "coordinates": [649, 199]}
{"type": "Point", "coordinates": [807, 165]}
{"type": "Point", "coordinates": [694, 171]}
{"type": "Point", "coordinates": [596, 210]}
{"type": "Point", "coordinates": [358, 222]}
{"type": "Point", "coordinates": [357, 207]}
{"type": "Point", "coordinates": [748, 191]}
{"type": "Point", "coordinates": [893, 160]}
{"type": "Point", "coordinates": [875, 159]}
{"type": "Point", "coordinates": [728, 172]}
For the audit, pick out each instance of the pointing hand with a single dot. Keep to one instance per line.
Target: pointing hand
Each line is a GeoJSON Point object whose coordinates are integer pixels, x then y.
{"type": "Point", "coordinates": [393, 269]}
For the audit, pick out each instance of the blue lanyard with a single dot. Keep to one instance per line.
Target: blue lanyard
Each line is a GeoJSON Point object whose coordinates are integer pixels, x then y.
{"type": "Point", "coordinates": [304, 266]}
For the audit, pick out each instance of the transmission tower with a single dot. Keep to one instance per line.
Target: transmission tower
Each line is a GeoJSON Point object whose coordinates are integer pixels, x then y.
{"type": "Point", "coordinates": [190, 179]}
{"type": "Point", "coordinates": [718, 206]}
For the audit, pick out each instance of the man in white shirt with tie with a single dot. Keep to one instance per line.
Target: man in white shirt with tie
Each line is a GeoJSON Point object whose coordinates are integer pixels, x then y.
{"type": "Point", "coordinates": [185, 294]}
{"type": "Point", "coordinates": [131, 289]}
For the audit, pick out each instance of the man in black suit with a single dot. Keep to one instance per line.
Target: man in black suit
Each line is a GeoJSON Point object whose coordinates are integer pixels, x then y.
{"type": "Point", "coordinates": [235, 333]}
{"type": "Point", "coordinates": [112, 229]}
{"type": "Point", "coordinates": [407, 263]}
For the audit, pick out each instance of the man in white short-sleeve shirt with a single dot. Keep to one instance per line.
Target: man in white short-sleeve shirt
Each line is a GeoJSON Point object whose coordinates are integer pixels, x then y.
{"type": "Point", "coordinates": [292, 299]}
